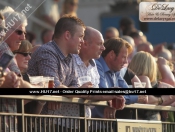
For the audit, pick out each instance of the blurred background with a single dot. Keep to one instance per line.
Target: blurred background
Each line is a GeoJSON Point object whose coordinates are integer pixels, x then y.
{"type": "Point", "coordinates": [99, 14]}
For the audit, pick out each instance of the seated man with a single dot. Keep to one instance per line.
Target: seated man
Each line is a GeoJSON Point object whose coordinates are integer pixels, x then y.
{"type": "Point", "coordinates": [109, 64]}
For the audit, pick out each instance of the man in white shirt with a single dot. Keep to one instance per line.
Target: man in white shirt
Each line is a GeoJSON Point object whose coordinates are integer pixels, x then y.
{"type": "Point", "coordinates": [85, 65]}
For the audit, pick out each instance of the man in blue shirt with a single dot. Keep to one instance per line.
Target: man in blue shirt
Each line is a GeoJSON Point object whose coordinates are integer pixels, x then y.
{"type": "Point", "coordinates": [109, 65]}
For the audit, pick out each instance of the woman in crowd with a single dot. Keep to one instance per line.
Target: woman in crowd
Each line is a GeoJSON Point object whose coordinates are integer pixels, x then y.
{"type": "Point", "coordinates": [70, 7]}
{"type": "Point", "coordinates": [145, 67]}
{"type": "Point", "coordinates": [23, 55]}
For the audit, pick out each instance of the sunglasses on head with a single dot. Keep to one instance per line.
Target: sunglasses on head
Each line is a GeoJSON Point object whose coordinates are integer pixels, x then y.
{"type": "Point", "coordinates": [24, 54]}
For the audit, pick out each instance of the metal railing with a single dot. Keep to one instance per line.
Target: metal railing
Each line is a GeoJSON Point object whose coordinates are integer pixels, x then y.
{"type": "Point", "coordinates": [53, 123]}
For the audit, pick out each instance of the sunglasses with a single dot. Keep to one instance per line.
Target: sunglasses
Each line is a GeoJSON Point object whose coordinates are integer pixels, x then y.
{"type": "Point", "coordinates": [19, 32]}
{"type": "Point", "coordinates": [24, 54]}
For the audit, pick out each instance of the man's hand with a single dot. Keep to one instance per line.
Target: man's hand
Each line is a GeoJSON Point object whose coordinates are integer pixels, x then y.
{"type": "Point", "coordinates": [11, 80]}
{"type": "Point", "coordinates": [118, 103]}
{"type": "Point", "coordinates": [142, 99]}
{"type": "Point", "coordinates": [87, 85]}
{"type": "Point", "coordinates": [54, 105]}
{"type": "Point", "coordinates": [109, 113]}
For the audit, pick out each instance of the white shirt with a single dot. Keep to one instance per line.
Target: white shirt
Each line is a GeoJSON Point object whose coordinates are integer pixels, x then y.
{"type": "Point", "coordinates": [91, 71]}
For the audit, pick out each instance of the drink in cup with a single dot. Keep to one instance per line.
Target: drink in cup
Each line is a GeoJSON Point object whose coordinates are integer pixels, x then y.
{"type": "Point", "coordinates": [51, 82]}
{"type": "Point", "coordinates": [114, 103]}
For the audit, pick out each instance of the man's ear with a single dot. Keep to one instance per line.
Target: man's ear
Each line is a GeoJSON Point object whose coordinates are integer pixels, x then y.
{"type": "Point", "coordinates": [67, 35]}
{"type": "Point", "coordinates": [111, 54]}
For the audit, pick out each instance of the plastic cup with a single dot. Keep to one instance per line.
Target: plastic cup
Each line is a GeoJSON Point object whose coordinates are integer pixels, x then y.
{"type": "Point", "coordinates": [37, 80]}
{"type": "Point", "coordinates": [143, 84]}
{"type": "Point", "coordinates": [138, 85]}
{"type": "Point", "coordinates": [83, 80]}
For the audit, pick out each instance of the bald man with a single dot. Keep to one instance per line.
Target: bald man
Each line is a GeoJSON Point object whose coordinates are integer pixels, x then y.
{"type": "Point", "coordinates": [85, 66]}
{"type": "Point", "coordinates": [147, 47]}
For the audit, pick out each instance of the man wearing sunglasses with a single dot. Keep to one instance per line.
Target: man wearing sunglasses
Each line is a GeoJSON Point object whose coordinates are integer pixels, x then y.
{"type": "Point", "coordinates": [12, 40]}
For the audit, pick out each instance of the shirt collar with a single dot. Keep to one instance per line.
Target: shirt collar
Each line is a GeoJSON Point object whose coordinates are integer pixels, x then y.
{"type": "Point", "coordinates": [105, 66]}
{"type": "Point", "coordinates": [60, 53]}
{"type": "Point", "coordinates": [80, 62]}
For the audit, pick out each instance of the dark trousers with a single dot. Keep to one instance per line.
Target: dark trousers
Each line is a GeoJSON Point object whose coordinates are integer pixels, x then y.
{"type": "Point", "coordinates": [125, 114]}
{"type": "Point", "coordinates": [64, 129]}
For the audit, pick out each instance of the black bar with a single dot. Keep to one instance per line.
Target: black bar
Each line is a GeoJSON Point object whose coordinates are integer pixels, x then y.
{"type": "Point", "coordinates": [83, 91]}
{"type": "Point", "coordinates": [82, 114]}
{"type": "Point", "coordinates": [19, 118]}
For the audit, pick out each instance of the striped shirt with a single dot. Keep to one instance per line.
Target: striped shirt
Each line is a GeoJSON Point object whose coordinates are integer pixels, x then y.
{"type": "Point", "coordinates": [48, 60]}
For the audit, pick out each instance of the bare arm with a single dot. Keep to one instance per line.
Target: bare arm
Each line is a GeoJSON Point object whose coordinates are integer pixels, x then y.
{"type": "Point", "coordinates": [165, 71]}
{"type": "Point", "coordinates": [145, 79]}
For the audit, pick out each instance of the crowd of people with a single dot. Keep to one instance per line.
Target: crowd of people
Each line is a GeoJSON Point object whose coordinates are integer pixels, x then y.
{"type": "Point", "coordinates": [118, 60]}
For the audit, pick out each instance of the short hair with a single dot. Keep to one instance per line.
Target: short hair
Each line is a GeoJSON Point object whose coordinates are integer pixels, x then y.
{"type": "Point", "coordinates": [144, 64]}
{"type": "Point", "coordinates": [129, 39]}
{"type": "Point", "coordinates": [25, 47]}
{"type": "Point", "coordinates": [165, 53]}
{"type": "Point", "coordinates": [30, 36]}
{"type": "Point", "coordinates": [115, 44]}
{"type": "Point", "coordinates": [126, 22]}
{"type": "Point", "coordinates": [43, 33]}
{"type": "Point", "coordinates": [113, 29]}
{"type": "Point", "coordinates": [67, 23]}
{"type": "Point", "coordinates": [12, 16]}
{"type": "Point", "coordinates": [136, 34]}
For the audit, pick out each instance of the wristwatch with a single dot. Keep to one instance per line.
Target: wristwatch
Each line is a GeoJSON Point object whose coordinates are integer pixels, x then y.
{"type": "Point", "coordinates": [160, 100]}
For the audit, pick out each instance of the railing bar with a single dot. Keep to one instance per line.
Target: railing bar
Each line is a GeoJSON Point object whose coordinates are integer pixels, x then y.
{"type": "Point", "coordinates": [40, 127]}
{"type": "Point", "coordinates": [111, 126]}
{"type": "Point", "coordinates": [96, 125]}
{"type": "Point", "coordinates": [35, 126]}
{"type": "Point", "coordinates": [49, 126]}
{"type": "Point", "coordinates": [79, 125]}
{"type": "Point", "coordinates": [92, 124]}
{"type": "Point", "coordinates": [100, 126]}
{"type": "Point", "coordinates": [5, 123]}
{"type": "Point", "coordinates": [66, 125]}
{"type": "Point", "coordinates": [30, 124]}
{"type": "Point", "coordinates": [10, 125]}
{"type": "Point", "coordinates": [107, 126]}
{"type": "Point", "coordinates": [104, 126]}
{"type": "Point", "coordinates": [25, 123]}
{"type": "Point", "coordinates": [61, 124]}
{"type": "Point", "coordinates": [70, 122]}
{"type": "Point", "coordinates": [0, 123]}
{"type": "Point", "coordinates": [57, 123]}
{"type": "Point", "coordinates": [45, 124]}
{"type": "Point", "coordinates": [53, 125]}
{"type": "Point", "coordinates": [88, 125]}
{"type": "Point", "coordinates": [75, 123]}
